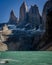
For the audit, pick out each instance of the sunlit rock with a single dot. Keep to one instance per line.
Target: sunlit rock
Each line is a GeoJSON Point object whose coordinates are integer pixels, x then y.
{"type": "Point", "coordinates": [3, 47]}
{"type": "Point", "coordinates": [6, 31]}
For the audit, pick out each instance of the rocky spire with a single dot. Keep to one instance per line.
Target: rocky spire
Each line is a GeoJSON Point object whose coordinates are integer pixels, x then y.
{"type": "Point", "coordinates": [34, 15]}
{"type": "Point", "coordinates": [34, 10]}
{"type": "Point", "coordinates": [23, 11]}
{"type": "Point", "coordinates": [12, 14]}
{"type": "Point", "coordinates": [12, 19]}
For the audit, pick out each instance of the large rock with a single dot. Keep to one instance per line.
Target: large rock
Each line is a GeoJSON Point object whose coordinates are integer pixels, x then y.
{"type": "Point", "coordinates": [47, 18]}
{"type": "Point", "coordinates": [6, 31]}
{"type": "Point", "coordinates": [46, 40]}
{"type": "Point", "coordinates": [13, 19]}
{"type": "Point", "coordinates": [3, 47]}
{"type": "Point", "coordinates": [34, 16]}
{"type": "Point", "coordinates": [48, 5]}
{"type": "Point", "coordinates": [30, 19]}
{"type": "Point", "coordinates": [23, 11]}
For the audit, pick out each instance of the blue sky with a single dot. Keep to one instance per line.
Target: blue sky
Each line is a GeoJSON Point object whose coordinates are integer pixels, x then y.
{"type": "Point", "coordinates": [7, 5]}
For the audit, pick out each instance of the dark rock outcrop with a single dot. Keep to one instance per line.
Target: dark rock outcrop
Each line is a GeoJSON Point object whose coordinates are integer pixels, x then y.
{"type": "Point", "coordinates": [48, 5]}
{"type": "Point", "coordinates": [46, 40]}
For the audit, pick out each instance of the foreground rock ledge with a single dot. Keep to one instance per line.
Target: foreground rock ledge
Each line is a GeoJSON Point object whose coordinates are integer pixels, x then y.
{"type": "Point", "coordinates": [3, 47]}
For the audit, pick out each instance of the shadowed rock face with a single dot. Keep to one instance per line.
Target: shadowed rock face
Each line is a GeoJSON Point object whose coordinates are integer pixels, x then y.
{"type": "Point", "coordinates": [49, 24]}
{"type": "Point", "coordinates": [46, 41]}
{"type": "Point", "coordinates": [47, 18]}
{"type": "Point", "coordinates": [13, 18]}
{"type": "Point", "coordinates": [48, 5]}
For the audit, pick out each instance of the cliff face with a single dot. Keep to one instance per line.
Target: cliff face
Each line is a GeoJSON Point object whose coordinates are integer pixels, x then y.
{"type": "Point", "coordinates": [34, 16]}
{"type": "Point", "coordinates": [46, 40]}
{"type": "Point", "coordinates": [13, 18]}
{"type": "Point", "coordinates": [48, 5]}
{"type": "Point", "coordinates": [47, 18]}
{"type": "Point", "coordinates": [23, 11]}
{"type": "Point", "coordinates": [29, 19]}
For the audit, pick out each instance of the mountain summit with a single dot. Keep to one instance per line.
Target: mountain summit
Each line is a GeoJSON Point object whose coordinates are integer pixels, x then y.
{"type": "Point", "coordinates": [34, 16]}
{"type": "Point", "coordinates": [13, 18]}
{"type": "Point", "coordinates": [23, 11]}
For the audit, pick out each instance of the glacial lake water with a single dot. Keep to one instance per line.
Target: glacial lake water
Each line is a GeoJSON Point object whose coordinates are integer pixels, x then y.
{"type": "Point", "coordinates": [26, 58]}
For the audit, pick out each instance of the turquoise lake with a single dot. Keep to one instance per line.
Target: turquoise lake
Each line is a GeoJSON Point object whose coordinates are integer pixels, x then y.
{"type": "Point", "coordinates": [27, 58]}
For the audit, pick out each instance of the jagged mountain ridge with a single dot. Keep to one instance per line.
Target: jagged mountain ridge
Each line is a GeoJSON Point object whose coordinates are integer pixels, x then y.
{"type": "Point", "coordinates": [28, 28]}
{"type": "Point", "coordinates": [29, 34]}
{"type": "Point", "coordinates": [29, 18]}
